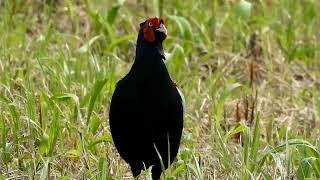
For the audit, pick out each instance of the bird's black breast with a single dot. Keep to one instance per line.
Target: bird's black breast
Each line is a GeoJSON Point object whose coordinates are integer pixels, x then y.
{"type": "Point", "coordinates": [144, 115]}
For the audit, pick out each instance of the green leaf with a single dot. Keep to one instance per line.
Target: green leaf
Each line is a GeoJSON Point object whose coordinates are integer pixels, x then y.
{"type": "Point", "coordinates": [255, 143]}
{"type": "Point", "coordinates": [234, 131]}
{"type": "Point", "coordinates": [102, 169]}
{"type": "Point", "coordinates": [105, 138]}
{"type": "Point", "coordinates": [316, 167]}
{"type": "Point", "coordinates": [4, 99]}
{"type": "Point", "coordinates": [160, 7]}
{"type": "Point", "coordinates": [74, 98]}
{"type": "Point", "coordinates": [94, 94]}
{"type": "Point", "coordinates": [246, 145]}
{"type": "Point", "coordinates": [289, 144]}
{"type": "Point", "coordinates": [304, 170]}
{"type": "Point", "coordinates": [244, 9]}
{"type": "Point", "coordinates": [94, 125]}
{"type": "Point", "coordinates": [85, 48]}
{"type": "Point", "coordinates": [44, 143]}
{"type": "Point", "coordinates": [73, 153]}
{"type": "Point", "coordinates": [120, 40]}
{"type": "Point", "coordinates": [64, 178]}
{"type": "Point", "coordinates": [179, 170]}
{"type": "Point", "coordinates": [176, 60]}
{"type": "Point", "coordinates": [112, 14]}
{"type": "Point", "coordinates": [225, 95]}
{"type": "Point", "coordinates": [184, 27]}
{"type": "Point", "coordinates": [196, 168]}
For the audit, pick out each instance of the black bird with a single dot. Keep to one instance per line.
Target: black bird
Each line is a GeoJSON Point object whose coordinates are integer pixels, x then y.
{"type": "Point", "coordinates": [146, 111]}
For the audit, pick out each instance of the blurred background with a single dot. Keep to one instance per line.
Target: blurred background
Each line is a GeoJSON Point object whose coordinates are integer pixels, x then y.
{"type": "Point", "coordinates": [249, 70]}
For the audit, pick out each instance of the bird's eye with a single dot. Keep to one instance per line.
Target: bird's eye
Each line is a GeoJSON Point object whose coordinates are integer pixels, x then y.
{"type": "Point", "coordinates": [149, 24]}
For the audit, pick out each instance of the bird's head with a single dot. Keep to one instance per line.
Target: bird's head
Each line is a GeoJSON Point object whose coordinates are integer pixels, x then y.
{"type": "Point", "coordinates": [153, 30]}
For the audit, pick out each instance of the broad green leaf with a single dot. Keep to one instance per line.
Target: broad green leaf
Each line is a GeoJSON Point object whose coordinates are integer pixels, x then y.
{"type": "Point", "coordinates": [184, 27]}
{"type": "Point", "coordinates": [244, 8]}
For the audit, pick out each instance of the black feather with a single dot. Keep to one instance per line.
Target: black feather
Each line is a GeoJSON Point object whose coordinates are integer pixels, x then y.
{"type": "Point", "coordinates": [146, 111]}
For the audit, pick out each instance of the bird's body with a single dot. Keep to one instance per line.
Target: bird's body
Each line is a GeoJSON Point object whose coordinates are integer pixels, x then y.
{"type": "Point", "coordinates": [146, 112]}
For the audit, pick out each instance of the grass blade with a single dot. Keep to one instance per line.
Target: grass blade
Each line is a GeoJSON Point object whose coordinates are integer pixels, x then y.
{"type": "Point", "coordinates": [94, 95]}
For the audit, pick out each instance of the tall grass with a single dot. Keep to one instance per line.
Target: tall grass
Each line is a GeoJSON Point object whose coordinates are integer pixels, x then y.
{"type": "Point", "coordinates": [249, 71]}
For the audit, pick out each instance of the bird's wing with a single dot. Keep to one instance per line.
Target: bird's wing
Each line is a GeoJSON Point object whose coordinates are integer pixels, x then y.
{"type": "Point", "coordinates": [175, 127]}
{"type": "Point", "coordinates": [183, 101]}
{"type": "Point", "coordinates": [122, 119]}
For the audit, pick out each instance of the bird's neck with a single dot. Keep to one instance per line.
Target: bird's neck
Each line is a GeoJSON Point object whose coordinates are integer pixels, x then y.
{"type": "Point", "coordinates": [144, 47]}
{"type": "Point", "coordinates": [149, 64]}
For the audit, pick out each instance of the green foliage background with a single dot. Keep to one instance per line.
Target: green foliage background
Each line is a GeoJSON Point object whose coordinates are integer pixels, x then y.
{"type": "Point", "coordinates": [249, 71]}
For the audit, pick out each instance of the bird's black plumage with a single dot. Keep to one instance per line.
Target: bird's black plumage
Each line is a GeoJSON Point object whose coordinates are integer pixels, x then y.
{"type": "Point", "coordinates": [146, 111]}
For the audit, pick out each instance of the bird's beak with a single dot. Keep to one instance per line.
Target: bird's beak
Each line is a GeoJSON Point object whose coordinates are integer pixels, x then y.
{"type": "Point", "coordinates": [162, 29]}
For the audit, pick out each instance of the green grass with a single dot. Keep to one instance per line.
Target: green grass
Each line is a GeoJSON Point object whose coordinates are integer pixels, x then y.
{"type": "Point", "coordinates": [249, 71]}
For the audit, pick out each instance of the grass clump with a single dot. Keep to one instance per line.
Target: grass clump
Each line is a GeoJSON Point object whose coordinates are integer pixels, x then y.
{"type": "Point", "coordinates": [249, 71]}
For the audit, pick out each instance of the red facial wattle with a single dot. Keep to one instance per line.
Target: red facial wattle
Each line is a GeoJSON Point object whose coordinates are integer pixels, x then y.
{"type": "Point", "coordinates": [151, 25]}
{"type": "Point", "coordinates": [149, 34]}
